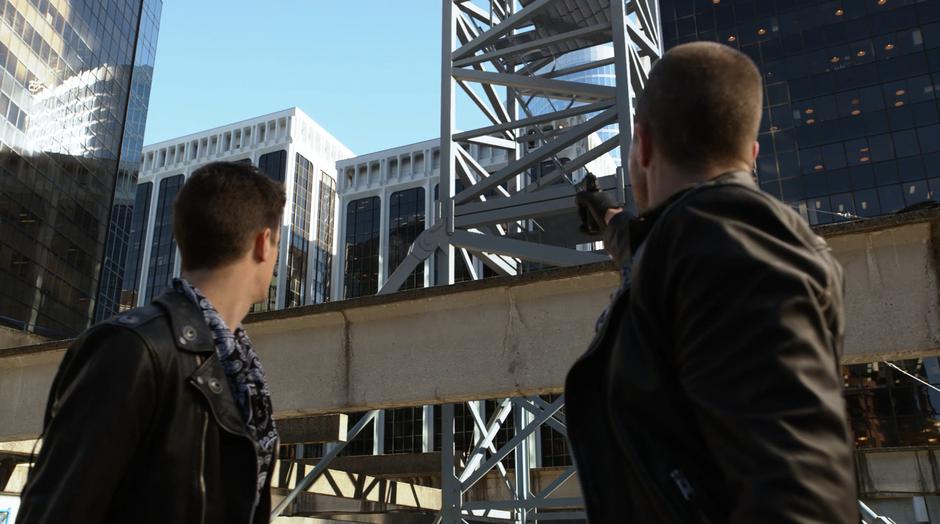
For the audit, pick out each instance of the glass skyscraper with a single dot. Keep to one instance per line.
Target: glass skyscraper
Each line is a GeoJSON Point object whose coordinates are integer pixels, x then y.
{"type": "Point", "coordinates": [851, 125]}
{"type": "Point", "coordinates": [603, 75]}
{"type": "Point", "coordinates": [74, 84]}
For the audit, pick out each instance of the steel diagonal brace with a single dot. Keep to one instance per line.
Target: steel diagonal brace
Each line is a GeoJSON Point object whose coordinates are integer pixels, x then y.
{"type": "Point", "coordinates": [538, 119]}
{"type": "Point", "coordinates": [514, 21]}
{"type": "Point", "coordinates": [533, 44]}
{"type": "Point", "coordinates": [552, 422]}
{"type": "Point", "coordinates": [323, 464]}
{"type": "Point", "coordinates": [557, 483]}
{"type": "Point", "coordinates": [471, 9]}
{"type": "Point", "coordinates": [422, 248]}
{"type": "Point", "coordinates": [641, 8]}
{"type": "Point", "coordinates": [515, 167]}
{"type": "Point", "coordinates": [464, 33]}
{"type": "Point", "coordinates": [541, 404]}
{"type": "Point", "coordinates": [642, 39]}
{"type": "Point", "coordinates": [521, 434]}
{"type": "Point", "coordinates": [579, 162]}
{"type": "Point", "coordinates": [478, 421]}
{"type": "Point", "coordinates": [486, 442]}
{"type": "Point", "coordinates": [546, 87]}
{"type": "Point", "coordinates": [545, 254]}
{"type": "Point", "coordinates": [481, 105]}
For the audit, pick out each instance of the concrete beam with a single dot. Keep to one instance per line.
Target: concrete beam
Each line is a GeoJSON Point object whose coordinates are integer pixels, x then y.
{"type": "Point", "coordinates": [321, 428]}
{"type": "Point", "coordinates": [512, 336]}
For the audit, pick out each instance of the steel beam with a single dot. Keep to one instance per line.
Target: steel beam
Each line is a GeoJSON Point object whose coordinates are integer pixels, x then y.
{"type": "Point", "coordinates": [532, 44]}
{"type": "Point", "coordinates": [514, 21]}
{"type": "Point", "coordinates": [545, 254]}
{"type": "Point", "coordinates": [544, 87]}
{"type": "Point", "coordinates": [539, 119]}
{"type": "Point", "coordinates": [562, 141]}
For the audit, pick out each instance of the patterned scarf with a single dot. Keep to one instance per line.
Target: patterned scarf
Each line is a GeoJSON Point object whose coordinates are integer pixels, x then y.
{"type": "Point", "coordinates": [245, 377]}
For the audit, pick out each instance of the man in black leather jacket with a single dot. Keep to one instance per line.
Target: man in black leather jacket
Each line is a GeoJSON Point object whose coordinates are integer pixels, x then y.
{"type": "Point", "coordinates": [712, 390]}
{"type": "Point", "coordinates": [149, 419]}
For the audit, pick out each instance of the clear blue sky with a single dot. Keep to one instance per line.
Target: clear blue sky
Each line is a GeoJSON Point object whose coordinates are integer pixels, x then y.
{"type": "Point", "coordinates": [366, 70]}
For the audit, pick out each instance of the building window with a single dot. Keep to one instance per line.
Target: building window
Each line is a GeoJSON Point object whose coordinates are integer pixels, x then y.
{"type": "Point", "coordinates": [163, 246]}
{"type": "Point", "coordinates": [362, 247]}
{"type": "Point", "coordinates": [890, 409]}
{"type": "Point", "coordinates": [323, 246]}
{"type": "Point", "coordinates": [405, 222]}
{"type": "Point", "coordinates": [274, 165]}
{"type": "Point", "coordinates": [297, 250]}
{"type": "Point", "coordinates": [404, 430]}
{"type": "Point", "coordinates": [135, 248]}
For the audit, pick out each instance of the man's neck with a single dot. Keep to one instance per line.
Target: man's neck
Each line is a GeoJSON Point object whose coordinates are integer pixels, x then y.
{"type": "Point", "coordinates": [670, 179]}
{"type": "Point", "coordinates": [225, 290]}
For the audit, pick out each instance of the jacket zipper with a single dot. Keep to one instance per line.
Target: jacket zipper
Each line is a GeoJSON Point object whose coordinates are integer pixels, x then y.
{"type": "Point", "coordinates": [202, 457]}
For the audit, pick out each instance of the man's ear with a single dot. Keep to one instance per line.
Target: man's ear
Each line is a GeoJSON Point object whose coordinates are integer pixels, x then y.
{"type": "Point", "coordinates": [755, 150]}
{"type": "Point", "coordinates": [263, 247]}
{"type": "Point", "coordinates": [643, 144]}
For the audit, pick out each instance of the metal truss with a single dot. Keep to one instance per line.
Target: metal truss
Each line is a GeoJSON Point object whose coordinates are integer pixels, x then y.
{"type": "Point", "coordinates": [521, 505]}
{"type": "Point", "coordinates": [502, 55]}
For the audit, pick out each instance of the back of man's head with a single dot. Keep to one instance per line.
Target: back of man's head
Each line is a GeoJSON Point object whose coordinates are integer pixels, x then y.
{"type": "Point", "coordinates": [702, 106]}
{"type": "Point", "coordinates": [219, 211]}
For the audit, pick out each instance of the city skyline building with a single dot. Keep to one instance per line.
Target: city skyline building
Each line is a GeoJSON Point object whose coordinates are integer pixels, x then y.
{"type": "Point", "coordinates": [73, 99]}
{"type": "Point", "coordinates": [289, 147]}
{"type": "Point", "coordinates": [851, 126]}
{"type": "Point", "coordinates": [385, 200]}
{"type": "Point", "coordinates": [603, 75]}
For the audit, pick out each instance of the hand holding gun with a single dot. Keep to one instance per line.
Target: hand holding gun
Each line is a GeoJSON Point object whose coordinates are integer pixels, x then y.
{"type": "Point", "coordinates": [593, 206]}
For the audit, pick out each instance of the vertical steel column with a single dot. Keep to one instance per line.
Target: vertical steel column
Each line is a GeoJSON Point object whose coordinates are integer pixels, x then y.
{"type": "Point", "coordinates": [451, 494]}
{"type": "Point", "coordinates": [445, 257]}
{"type": "Point", "coordinates": [523, 470]}
{"type": "Point", "coordinates": [625, 94]}
{"type": "Point", "coordinates": [427, 429]}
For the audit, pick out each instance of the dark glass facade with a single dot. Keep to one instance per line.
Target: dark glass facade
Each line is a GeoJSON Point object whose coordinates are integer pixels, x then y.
{"type": "Point", "coordinates": [888, 408]}
{"type": "Point", "coordinates": [361, 247]}
{"type": "Point", "coordinates": [323, 246]}
{"type": "Point", "coordinates": [112, 287]}
{"type": "Point", "coordinates": [135, 247]}
{"type": "Point", "coordinates": [73, 96]}
{"type": "Point", "coordinates": [298, 249]}
{"type": "Point", "coordinates": [851, 124]}
{"type": "Point", "coordinates": [163, 246]}
{"type": "Point", "coordinates": [405, 223]}
{"type": "Point", "coordinates": [273, 164]}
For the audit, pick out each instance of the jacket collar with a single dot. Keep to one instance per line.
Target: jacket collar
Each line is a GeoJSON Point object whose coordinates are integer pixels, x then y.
{"type": "Point", "coordinates": [190, 332]}
{"type": "Point", "coordinates": [641, 225]}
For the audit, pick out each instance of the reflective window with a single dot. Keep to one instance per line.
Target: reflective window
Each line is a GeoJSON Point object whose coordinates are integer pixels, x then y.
{"type": "Point", "coordinates": [323, 245]}
{"type": "Point", "coordinates": [361, 247]}
{"type": "Point", "coordinates": [888, 408]}
{"type": "Point", "coordinates": [838, 73]}
{"type": "Point", "coordinates": [406, 222]}
{"type": "Point", "coordinates": [297, 249]}
{"type": "Point", "coordinates": [135, 248]}
{"type": "Point", "coordinates": [274, 164]}
{"type": "Point", "coordinates": [163, 246]}
{"type": "Point", "coordinates": [74, 88]}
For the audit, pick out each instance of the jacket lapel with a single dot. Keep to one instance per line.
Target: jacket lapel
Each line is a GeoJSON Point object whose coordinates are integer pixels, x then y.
{"type": "Point", "coordinates": [209, 378]}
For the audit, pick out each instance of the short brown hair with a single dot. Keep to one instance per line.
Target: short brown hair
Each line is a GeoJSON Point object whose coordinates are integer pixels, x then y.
{"type": "Point", "coordinates": [702, 105]}
{"type": "Point", "coordinates": [220, 208]}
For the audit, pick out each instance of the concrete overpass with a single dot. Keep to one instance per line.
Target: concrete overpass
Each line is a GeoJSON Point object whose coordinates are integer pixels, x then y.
{"type": "Point", "coordinates": [514, 337]}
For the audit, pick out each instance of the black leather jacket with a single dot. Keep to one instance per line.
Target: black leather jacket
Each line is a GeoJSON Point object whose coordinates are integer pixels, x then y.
{"type": "Point", "coordinates": [712, 391]}
{"type": "Point", "coordinates": [141, 427]}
